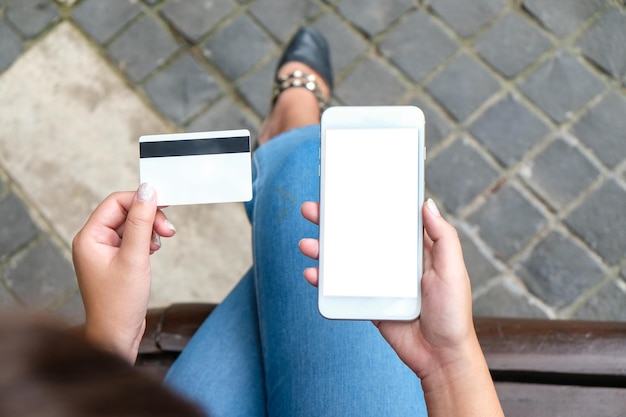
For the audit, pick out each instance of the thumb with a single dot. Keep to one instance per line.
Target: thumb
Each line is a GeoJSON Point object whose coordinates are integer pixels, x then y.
{"type": "Point", "coordinates": [139, 224]}
{"type": "Point", "coordinates": [446, 246]}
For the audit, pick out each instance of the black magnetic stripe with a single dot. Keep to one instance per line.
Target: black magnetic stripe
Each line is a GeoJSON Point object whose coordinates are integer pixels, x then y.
{"type": "Point", "coordinates": [194, 147]}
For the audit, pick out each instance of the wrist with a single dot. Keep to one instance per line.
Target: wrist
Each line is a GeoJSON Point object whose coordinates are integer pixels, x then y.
{"type": "Point", "coordinates": [120, 342]}
{"type": "Point", "coordinates": [461, 384]}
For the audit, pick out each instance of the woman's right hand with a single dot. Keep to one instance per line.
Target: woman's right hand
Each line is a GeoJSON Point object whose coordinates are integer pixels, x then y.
{"type": "Point", "coordinates": [441, 346]}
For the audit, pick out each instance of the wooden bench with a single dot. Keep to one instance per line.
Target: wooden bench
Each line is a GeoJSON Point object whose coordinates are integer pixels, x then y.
{"type": "Point", "coordinates": [540, 367]}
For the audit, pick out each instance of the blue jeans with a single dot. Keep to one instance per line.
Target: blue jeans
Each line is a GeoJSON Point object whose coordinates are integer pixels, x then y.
{"type": "Point", "coordinates": [265, 350]}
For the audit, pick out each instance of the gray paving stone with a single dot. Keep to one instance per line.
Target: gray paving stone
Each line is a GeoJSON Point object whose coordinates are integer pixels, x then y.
{"type": "Point", "coordinates": [373, 16]}
{"type": "Point", "coordinates": [223, 115]}
{"type": "Point", "coordinates": [507, 221]}
{"type": "Point", "coordinates": [31, 17]}
{"type": "Point", "coordinates": [558, 271]}
{"type": "Point", "coordinates": [447, 175]}
{"type": "Point", "coordinates": [560, 173]}
{"type": "Point", "coordinates": [182, 89]}
{"type": "Point", "coordinates": [283, 18]}
{"type": "Point", "coordinates": [602, 129]}
{"type": "Point", "coordinates": [151, 2]}
{"type": "Point", "coordinates": [463, 86]}
{"type": "Point", "coordinates": [599, 222]}
{"type": "Point", "coordinates": [256, 88]}
{"type": "Point", "coordinates": [437, 126]}
{"type": "Point", "coordinates": [606, 305]}
{"type": "Point", "coordinates": [480, 269]}
{"type": "Point", "coordinates": [142, 48]}
{"type": "Point", "coordinates": [370, 83]}
{"type": "Point", "coordinates": [417, 45]}
{"type": "Point", "coordinates": [16, 226]}
{"type": "Point", "coordinates": [604, 43]}
{"type": "Point", "coordinates": [562, 16]}
{"type": "Point", "coordinates": [345, 45]}
{"type": "Point", "coordinates": [6, 298]}
{"type": "Point", "coordinates": [509, 130]}
{"type": "Point", "coordinates": [243, 36]}
{"type": "Point", "coordinates": [194, 18]}
{"type": "Point", "coordinates": [41, 276]}
{"type": "Point", "coordinates": [10, 46]}
{"type": "Point", "coordinates": [561, 86]}
{"type": "Point", "coordinates": [512, 44]}
{"type": "Point", "coordinates": [72, 311]}
{"type": "Point", "coordinates": [507, 299]}
{"type": "Point", "coordinates": [467, 17]}
{"type": "Point", "coordinates": [103, 19]}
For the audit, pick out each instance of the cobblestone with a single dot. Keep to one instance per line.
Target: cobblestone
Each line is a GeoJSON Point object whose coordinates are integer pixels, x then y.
{"type": "Point", "coordinates": [599, 222]}
{"type": "Point", "coordinates": [182, 89]}
{"type": "Point", "coordinates": [523, 130]}
{"type": "Point", "coordinates": [373, 16]}
{"type": "Point", "coordinates": [345, 44]}
{"type": "Point", "coordinates": [257, 87]}
{"type": "Point", "coordinates": [101, 20]}
{"type": "Point", "coordinates": [41, 276]}
{"type": "Point", "coordinates": [604, 43]}
{"type": "Point", "coordinates": [560, 173]}
{"type": "Point", "coordinates": [562, 16]}
{"type": "Point", "coordinates": [31, 17]}
{"type": "Point", "coordinates": [607, 304]}
{"type": "Point", "coordinates": [561, 86]}
{"type": "Point", "coordinates": [481, 270]}
{"type": "Point", "coordinates": [224, 115]}
{"type": "Point", "coordinates": [283, 18]}
{"type": "Point", "coordinates": [507, 221]}
{"type": "Point", "coordinates": [418, 59]}
{"type": "Point", "coordinates": [512, 44]}
{"type": "Point", "coordinates": [463, 86]}
{"type": "Point", "coordinates": [447, 175]}
{"type": "Point", "coordinates": [10, 46]}
{"type": "Point", "coordinates": [195, 18]}
{"type": "Point", "coordinates": [467, 17]}
{"type": "Point", "coordinates": [602, 129]}
{"type": "Point", "coordinates": [507, 299]}
{"type": "Point", "coordinates": [142, 48]}
{"type": "Point", "coordinates": [370, 83]}
{"type": "Point", "coordinates": [559, 271]}
{"type": "Point", "coordinates": [16, 226]}
{"type": "Point", "coordinates": [243, 36]}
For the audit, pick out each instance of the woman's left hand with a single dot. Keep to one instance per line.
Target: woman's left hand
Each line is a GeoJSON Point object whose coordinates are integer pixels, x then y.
{"type": "Point", "coordinates": [111, 255]}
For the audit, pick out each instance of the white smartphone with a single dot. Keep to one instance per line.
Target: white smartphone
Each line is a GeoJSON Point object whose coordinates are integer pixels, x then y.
{"type": "Point", "coordinates": [371, 196]}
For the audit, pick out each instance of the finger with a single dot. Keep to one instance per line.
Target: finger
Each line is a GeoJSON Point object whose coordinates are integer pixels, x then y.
{"type": "Point", "coordinates": [138, 230]}
{"type": "Point", "coordinates": [446, 247]}
{"type": "Point", "coordinates": [312, 275]}
{"type": "Point", "coordinates": [309, 247]}
{"type": "Point", "coordinates": [163, 226]}
{"type": "Point", "coordinates": [311, 211]}
{"type": "Point", "coordinates": [111, 213]}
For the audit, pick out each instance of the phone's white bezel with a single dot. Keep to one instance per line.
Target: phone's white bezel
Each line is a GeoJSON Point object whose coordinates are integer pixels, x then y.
{"type": "Point", "coordinates": [371, 117]}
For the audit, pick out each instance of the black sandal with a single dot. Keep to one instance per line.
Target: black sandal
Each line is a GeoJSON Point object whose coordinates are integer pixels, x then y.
{"type": "Point", "coordinates": [309, 47]}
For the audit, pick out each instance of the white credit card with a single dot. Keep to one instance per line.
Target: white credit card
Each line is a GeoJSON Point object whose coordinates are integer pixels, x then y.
{"type": "Point", "coordinates": [197, 168]}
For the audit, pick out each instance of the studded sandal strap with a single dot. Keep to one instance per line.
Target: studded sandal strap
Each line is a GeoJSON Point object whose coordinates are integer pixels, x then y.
{"type": "Point", "coordinates": [299, 79]}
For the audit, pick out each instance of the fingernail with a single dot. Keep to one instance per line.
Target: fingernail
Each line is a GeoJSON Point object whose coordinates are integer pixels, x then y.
{"type": "Point", "coordinates": [145, 192]}
{"type": "Point", "coordinates": [433, 207]}
{"type": "Point", "coordinates": [169, 225]}
{"type": "Point", "coordinates": [156, 239]}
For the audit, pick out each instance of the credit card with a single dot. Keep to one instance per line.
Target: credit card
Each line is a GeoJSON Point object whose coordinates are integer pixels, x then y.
{"type": "Point", "coordinates": [197, 168]}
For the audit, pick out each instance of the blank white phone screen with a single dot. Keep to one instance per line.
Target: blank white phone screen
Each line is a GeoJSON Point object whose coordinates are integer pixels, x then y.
{"type": "Point", "coordinates": [371, 210]}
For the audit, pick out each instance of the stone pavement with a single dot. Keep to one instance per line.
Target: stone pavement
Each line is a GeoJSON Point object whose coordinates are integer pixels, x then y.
{"type": "Point", "coordinates": [525, 103]}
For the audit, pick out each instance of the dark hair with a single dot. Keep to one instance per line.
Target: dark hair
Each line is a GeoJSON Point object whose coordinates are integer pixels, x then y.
{"type": "Point", "coordinates": [45, 371]}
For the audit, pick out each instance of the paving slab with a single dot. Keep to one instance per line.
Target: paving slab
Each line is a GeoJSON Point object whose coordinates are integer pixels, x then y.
{"type": "Point", "coordinates": [69, 138]}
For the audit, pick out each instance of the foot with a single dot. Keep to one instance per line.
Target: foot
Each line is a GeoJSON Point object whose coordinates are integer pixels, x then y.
{"type": "Point", "coordinates": [294, 107]}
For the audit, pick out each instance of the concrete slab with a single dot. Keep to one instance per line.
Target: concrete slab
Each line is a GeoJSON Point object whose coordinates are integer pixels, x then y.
{"type": "Point", "coordinates": [69, 126]}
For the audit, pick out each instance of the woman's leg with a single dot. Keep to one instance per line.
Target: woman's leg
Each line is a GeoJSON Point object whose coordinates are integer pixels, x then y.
{"type": "Point", "coordinates": [313, 366]}
{"type": "Point", "coordinates": [220, 369]}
